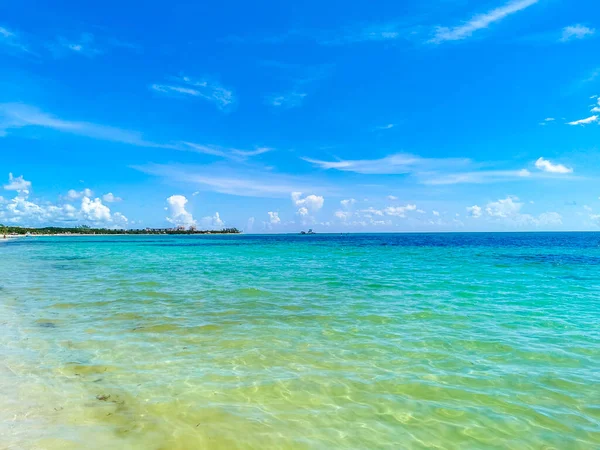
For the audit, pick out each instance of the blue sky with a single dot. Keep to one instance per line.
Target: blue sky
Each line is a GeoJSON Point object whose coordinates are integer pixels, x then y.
{"type": "Point", "coordinates": [430, 115]}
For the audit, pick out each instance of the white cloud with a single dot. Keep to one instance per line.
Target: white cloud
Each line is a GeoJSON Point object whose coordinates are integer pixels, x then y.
{"type": "Point", "coordinates": [200, 88]}
{"type": "Point", "coordinates": [596, 108]}
{"type": "Point", "coordinates": [72, 194]}
{"type": "Point", "coordinates": [576, 32]}
{"type": "Point", "coordinates": [547, 166]}
{"type": "Point", "coordinates": [435, 213]}
{"type": "Point", "coordinates": [111, 198]}
{"type": "Point", "coordinates": [94, 210]}
{"type": "Point", "coordinates": [178, 215]}
{"type": "Point", "coordinates": [255, 152]}
{"type": "Point", "coordinates": [370, 211]}
{"type": "Point", "coordinates": [23, 211]}
{"type": "Point", "coordinates": [250, 224]}
{"type": "Point", "coordinates": [389, 126]}
{"type": "Point", "coordinates": [480, 21]}
{"type": "Point", "coordinates": [549, 119]}
{"type": "Point", "coordinates": [474, 211]}
{"type": "Point", "coordinates": [246, 183]}
{"type": "Point", "coordinates": [18, 115]}
{"type": "Point", "coordinates": [549, 218]}
{"type": "Point", "coordinates": [508, 211]}
{"type": "Point", "coordinates": [399, 163]}
{"type": "Point", "coordinates": [586, 121]}
{"type": "Point", "coordinates": [343, 215]}
{"type": "Point", "coordinates": [291, 99]}
{"type": "Point", "coordinates": [274, 218]}
{"type": "Point", "coordinates": [303, 211]}
{"type": "Point", "coordinates": [312, 203]}
{"type": "Point", "coordinates": [12, 41]}
{"type": "Point", "coordinates": [212, 222]}
{"type": "Point", "coordinates": [484, 176]}
{"type": "Point", "coordinates": [224, 152]}
{"type": "Point", "coordinates": [399, 211]}
{"type": "Point", "coordinates": [17, 183]}
{"type": "Point", "coordinates": [392, 197]}
{"type": "Point", "coordinates": [84, 45]}
{"type": "Point", "coordinates": [347, 203]}
{"type": "Point", "coordinates": [421, 211]}
{"type": "Point", "coordinates": [507, 207]}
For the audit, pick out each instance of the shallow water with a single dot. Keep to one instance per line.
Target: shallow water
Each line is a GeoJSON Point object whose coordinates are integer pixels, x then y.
{"type": "Point", "coordinates": [450, 341]}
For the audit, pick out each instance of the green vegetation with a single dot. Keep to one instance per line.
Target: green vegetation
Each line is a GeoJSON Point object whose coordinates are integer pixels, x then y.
{"type": "Point", "coordinates": [9, 230]}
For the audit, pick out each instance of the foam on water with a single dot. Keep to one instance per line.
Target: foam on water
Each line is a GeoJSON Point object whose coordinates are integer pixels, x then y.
{"type": "Point", "coordinates": [429, 341]}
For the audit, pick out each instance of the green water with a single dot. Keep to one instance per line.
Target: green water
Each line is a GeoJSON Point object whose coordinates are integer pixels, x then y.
{"type": "Point", "coordinates": [465, 341]}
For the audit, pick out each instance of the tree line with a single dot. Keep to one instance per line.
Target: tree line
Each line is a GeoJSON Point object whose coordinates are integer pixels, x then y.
{"type": "Point", "coordinates": [83, 229]}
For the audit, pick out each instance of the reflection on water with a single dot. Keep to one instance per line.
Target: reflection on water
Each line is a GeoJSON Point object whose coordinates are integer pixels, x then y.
{"type": "Point", "coordinates": [313, 342]}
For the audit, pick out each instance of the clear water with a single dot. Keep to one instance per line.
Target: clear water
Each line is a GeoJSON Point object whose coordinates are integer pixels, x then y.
{"type": "Point", "coordinates": [457, 341]}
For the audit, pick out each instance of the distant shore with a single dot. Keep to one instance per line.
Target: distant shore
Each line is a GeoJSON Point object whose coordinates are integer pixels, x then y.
{"type": "Point", "coordinates": [87, 231]}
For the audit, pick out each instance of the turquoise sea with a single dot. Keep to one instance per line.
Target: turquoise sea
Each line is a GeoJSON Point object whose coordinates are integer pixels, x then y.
{"type": "Point", "coordinates": [390, 341]}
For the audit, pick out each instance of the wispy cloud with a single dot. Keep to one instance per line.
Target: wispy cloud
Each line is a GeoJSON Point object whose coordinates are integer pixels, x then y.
{"type": "Point", "coordinates": [18, 115]}
{"type": "Point", "coordinates": [290, 99]}
{"type": "Point", "coordinates": [437, 171]}
{"type": "Point", "coordinates": [351, 34]}
{"type": "Point", "coordinates": [12, 41]}
{"type": "Point", "coordinates": [480, 21]}
{"type": "Point", "coordinates": [302, 79]}
{"type": "Point", "coordinates": [475, 177]}
{"type": "Point", "coordinates": [586, 121]}
{"type": "Point", "coordinates": [576, 32]}
{"type": "Point", "coordinates": [84, 45]}
{"type": "Point", "coordinates": [399, 163]}
{"type": "Point", "coordinates": [242, 182]}
{"type": "Point", "coordinates": [369, 33]}
{"type": "Point", "coordinates": [203, 88]}
{"type": "Point", "coordinates": [389, 126]}
{"type": "Point", "coordinates": [223, 152]}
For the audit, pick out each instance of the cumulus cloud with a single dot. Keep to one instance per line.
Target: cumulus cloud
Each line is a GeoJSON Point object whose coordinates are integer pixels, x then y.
{"type": "Point", "coordinates": [474, 211]}
{"type": "Point", "coordinates": [17, 183]}
{"type": "Point", "coordinates": [303, 211]}
{"type": "Point", "coordinates": [435, 213]}
{"type": "Point", "coordinates": [399, 211]}
{"type": "Point", "coordinates": [72, 194]}
{"type": "Point", "coordinates": [392, 197]}
{"type": "Point", "coordinates": [347, 203]}
{"type": "Point", "coordinates": [508, 211]}
{"type": "Point", "coordinates": [250, 224]}
{"type": "Point", "coordinates": [21, 210]}
{"type": "Point", "coordinates": [94, 210]}
{"type": "Point", "coordinates": [212, 222]}
{"type": "Point", "coordinates": [111, 198]}
{"type": "Point", "coordinates": [274, 218]}
{"type": "Point", "coordinates": [178, 215]}
{"type": "Point", "coordinates": [343, 215]}
{"type": "Point", "coordinates": [576, 32]}
{"type": "Point", "coordinates": [506, 207]}
{"type": "Point", "coordinates": [311, 203]}
{"type": "Point", "coordinates": [547, 166]}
